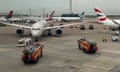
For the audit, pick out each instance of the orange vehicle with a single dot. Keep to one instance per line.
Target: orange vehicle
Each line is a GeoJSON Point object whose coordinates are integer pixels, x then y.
{"type": "Point", "coordinates": [32, 53]}
{"type": "Point", "coordinates": [87, 46]}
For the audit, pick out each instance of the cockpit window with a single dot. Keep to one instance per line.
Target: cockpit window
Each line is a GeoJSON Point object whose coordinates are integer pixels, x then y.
{"type": "Point", "coordinates": [35, 28]}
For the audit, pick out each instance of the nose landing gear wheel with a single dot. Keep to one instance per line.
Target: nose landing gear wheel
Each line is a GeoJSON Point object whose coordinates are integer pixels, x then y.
{"type": "Point", "coordinates": [49, 33]}
{"type": "Point", "coordinates": [36, 39]}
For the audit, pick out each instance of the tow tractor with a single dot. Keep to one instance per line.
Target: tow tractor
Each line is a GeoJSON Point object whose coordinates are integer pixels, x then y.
{"type": "Point", "coordinates": [24, 42]}
{"type": "Point", "coordinates": [32, 53]}
{"type": "Point", "coordinates": [87, 46]}
{"type": "Point", "coordinates": [115, 38]}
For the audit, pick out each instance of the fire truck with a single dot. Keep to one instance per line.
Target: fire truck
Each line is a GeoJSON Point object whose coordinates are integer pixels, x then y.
{"type": "Point", "coordinates": [87, 46]}
{"type": "Point", "coordinates": [32, 53]}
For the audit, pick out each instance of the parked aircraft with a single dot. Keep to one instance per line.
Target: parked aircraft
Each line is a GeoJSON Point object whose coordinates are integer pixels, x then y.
{"type": "Point", "coordinates": [33, 18]}
{"type": "Point", "coordinates": [80, 17]}
{"type": "Point", "coordinates": [102, 19]}
{"type": "Point", "coordinates": [38, 28]}
{"type": "Point", "coordinates": [7, 17]}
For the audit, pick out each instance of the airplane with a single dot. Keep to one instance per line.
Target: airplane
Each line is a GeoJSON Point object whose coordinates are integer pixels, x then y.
{"type": "Point", "coordinates": [38, 28]}
{"type": "Point", "coordinates": [102, 19]}
{"type": "Point", "coordinates": [80, 17]}
{"type": "Point", "coordinates": [33, 18]}
{"type": "Point", "coordinates": [7, 17]}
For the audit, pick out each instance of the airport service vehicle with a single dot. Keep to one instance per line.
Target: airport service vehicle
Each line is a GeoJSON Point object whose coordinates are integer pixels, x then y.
{"type": "Point", "coordinates": [24, 42]}
{"type": "Point", "coordinates": [115, 38]}
{"type": "Point", "coordinates": [102, 19]}
{"type": "Point", "coordinates": [91, 27]}
{"type": "Point", "coordinates": [82, 27]}
{"type": "Point", "coordinates": [32, 53]}
{"type": "Point", "coordinates": [87, 46]}
{"type": "Point", "coordinates": [66, 18]}
{"type": "Point", "coordinates": [117, 33]}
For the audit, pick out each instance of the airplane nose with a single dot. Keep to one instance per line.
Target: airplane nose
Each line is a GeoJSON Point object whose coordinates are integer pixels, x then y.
{"type": "Point", "coordinates": [35, 34]}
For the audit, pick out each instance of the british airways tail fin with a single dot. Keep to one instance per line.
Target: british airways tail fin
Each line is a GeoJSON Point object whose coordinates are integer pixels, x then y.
{"type": "Point", "coordinates": [100, 14]}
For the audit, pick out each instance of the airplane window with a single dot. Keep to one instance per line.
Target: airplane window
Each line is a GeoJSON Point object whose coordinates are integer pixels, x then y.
{"type": "Point", "coordinates": [35, 28]}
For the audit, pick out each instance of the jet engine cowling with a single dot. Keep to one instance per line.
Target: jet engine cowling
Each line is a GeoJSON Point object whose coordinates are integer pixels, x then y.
{"type": "Point", "coordinates": [19, 31]}
{"type": "Point", "coordinates": [59, 31]}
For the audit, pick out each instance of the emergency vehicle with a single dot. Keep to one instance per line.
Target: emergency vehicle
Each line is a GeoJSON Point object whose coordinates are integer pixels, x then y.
{"type": "Point", "coordinates": [32, 53]}
{"type": "Point", "coordinates": [87, 46]}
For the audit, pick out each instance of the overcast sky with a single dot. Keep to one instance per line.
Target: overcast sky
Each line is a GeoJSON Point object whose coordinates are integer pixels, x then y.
{"type": "Point", "coordinates": [60, 6]}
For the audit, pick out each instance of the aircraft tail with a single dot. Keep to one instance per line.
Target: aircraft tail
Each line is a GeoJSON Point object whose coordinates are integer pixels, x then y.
{"type": "Point", "coordinates": [100, 14]}
{"type": "Point", "coordinates": [50, 16]}
{"type": "Point", "coordinates": [82, 15]}
{"type": "Point", "coordinates": [10, 14]}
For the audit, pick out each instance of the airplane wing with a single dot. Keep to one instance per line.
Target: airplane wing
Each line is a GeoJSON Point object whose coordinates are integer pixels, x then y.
{"type": "Point", "coordinates": [116, 21]}
{"type": "Point", "coordinates": [16, 25]}
{"type": "Point", "coordinates": [53, 27]}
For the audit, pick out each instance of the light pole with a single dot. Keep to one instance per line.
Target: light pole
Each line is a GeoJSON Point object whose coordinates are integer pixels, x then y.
{"type": "Point", "coordinates": [30, 12]}
{"type": "Point", "coordinates": [70, 6]}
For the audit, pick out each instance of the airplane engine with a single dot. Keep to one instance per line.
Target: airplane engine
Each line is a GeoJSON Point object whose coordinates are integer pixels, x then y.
{"type": "Point", "coordinates": [59, 31]}
{"type": "Point", "coordinates": [19, 31]}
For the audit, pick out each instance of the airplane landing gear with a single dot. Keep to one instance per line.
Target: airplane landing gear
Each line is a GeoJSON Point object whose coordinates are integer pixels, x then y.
{"type": "Point", "coordinates": [35, 39]}
{"type": "Point", "coordinates": [49, 32]}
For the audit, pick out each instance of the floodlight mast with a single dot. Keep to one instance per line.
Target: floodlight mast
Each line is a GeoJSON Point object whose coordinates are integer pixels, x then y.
{"type": "Point", "coordinates": [70, 6]}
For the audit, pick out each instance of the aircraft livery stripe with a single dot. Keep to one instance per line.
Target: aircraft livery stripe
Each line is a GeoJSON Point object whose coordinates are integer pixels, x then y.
{"type": "Point", "coordinates": [97, 10]}
{"type": "Point", "coordinates": [102, 19]}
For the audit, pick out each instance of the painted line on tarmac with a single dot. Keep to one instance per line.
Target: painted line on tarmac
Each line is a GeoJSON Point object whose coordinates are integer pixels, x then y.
{"type": "Point", "coordinates": [111, 51]}
{"type": "Point", "coordinates": [4, 45]}
{"type": "Point", "coordinates": [4, 49]}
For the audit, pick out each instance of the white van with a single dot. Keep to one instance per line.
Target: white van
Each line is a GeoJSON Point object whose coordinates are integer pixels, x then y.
{"type": "Point", "coordinates": [115, 38]}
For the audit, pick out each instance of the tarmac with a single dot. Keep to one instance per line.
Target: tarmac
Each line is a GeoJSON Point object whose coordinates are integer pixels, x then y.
{"type": "Point", "coordinates": [61, 54]}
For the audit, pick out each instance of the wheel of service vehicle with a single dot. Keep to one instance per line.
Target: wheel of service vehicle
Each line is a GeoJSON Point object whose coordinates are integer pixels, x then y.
{"type": "Point", "coordinates": [41, 54]}
{"type": "Point", "coordinates": [92, 51]}
{"type": "Point", "coordinates": [26, 62]}
{"type": "Point", "coordinates": [91, 27]}
{"type": "Point", "coordinates": [84, 50]}
{"type": "Point", "coordinates": [82, 27]}
{"type": "Point", "coordinates": [37, 60]}
{"type": "Point", "coordinates": [79, 46]}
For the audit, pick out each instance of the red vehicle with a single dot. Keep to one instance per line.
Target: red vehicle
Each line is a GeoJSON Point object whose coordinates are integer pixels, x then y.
{"type": "Point", "coordinates": [87, 46]}
{"type": "Point", "coordinates": [32, 53]}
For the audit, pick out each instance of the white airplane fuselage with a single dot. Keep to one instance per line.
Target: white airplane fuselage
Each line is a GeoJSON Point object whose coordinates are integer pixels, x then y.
{"type": "Point", "coordinates": [102, 18]}
{"type": "Point", "coordinates": [66, 18]}
{"type": "Point", "coordinates": [110, 23]}
{"type": "Point", "coordinates": [3, 19]}
{"type": "Point", "coordinates": [38, 28]}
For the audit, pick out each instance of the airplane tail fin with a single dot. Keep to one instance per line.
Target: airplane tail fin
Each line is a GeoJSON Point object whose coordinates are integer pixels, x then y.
{"type": "Point", "coordinates": [50, 16]}
{"type": "Point", "coordinates": [10, 14]}
{"type": "Point", "coordinates": [82, 15]}
{"type": "Point", "coordinates": [100, 14]}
